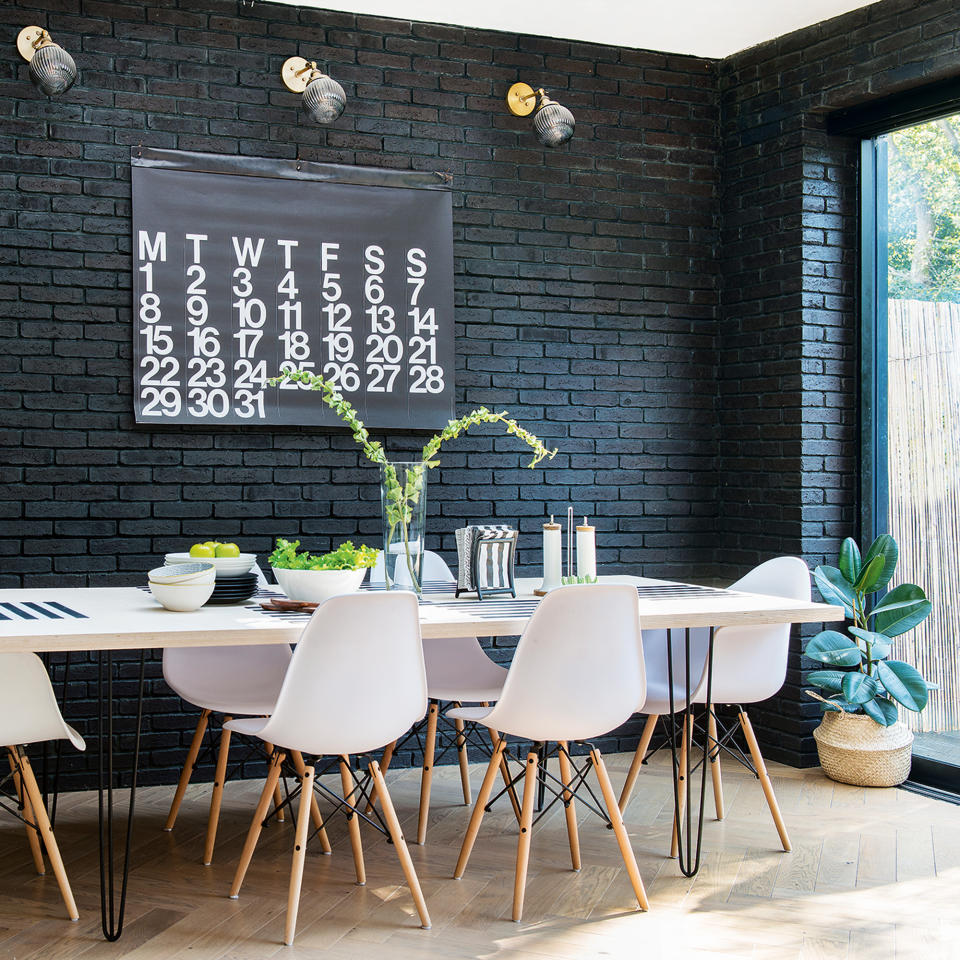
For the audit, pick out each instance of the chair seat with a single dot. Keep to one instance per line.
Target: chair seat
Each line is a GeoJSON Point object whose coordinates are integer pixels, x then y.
{"type": "Point", "coordinates": [244, 699]}
{"type": "Point", "coordinates": [657, 702]}
{"type": "Point", "coordinates": [459, 671]}
{"type": "Point", "coordinates": [473, 714]}
{"type": "Point", "coordinates": [248, 726]}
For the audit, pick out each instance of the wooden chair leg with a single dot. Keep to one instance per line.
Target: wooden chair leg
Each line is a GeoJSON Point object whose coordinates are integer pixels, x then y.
{"type": "Point", "coordinates": [526, 829]}
{"type": "Point", "coordinates": [616, 820]}
{"type": "Point", "coordinates": [505, 775]}
{"type": "Point", "coordinates": [396, 835]}
{"type": "Point", "coordinates": [464, 762]}
{"type": "Point", "coordinates": [384, 767]}
{"type": "Point", "coordinates": [213, 819]}
{"type": "Point", "coordinates": [277, 796]}
{"type": "Point", "coordinates": [46, 833]}
{"type": "Point", "coordinates": [426, 778]}
{"type": "Point", "coordinates": [189, 765]}
{"type": "Point", "coordinates": [638, 757]}
{"type": "Point", "coordinates": [566, 776]}
{"type": "Point", "coordinates": [297, 757]}
{"type": "Point", "coordinates": [764, 778]}
{"type": "Point", "coordinates": [353, 821]}
{"type": "Point", "coordinates": [683, 786]}
{"type": "Point", "coordinates": [486, 788]}
{"type": "Point", "coordinates": [263, 805]}
{"type": "Point", "coordinates": [299, 853]}
{"type": "Point", "coordinates": [33, 836]}
{"type": "Point", "coordinates": [715, 764]}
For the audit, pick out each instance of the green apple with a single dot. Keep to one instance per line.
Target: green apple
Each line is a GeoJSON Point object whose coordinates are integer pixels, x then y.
{"type": "Point", "coordinates": [228, 550]}
{"type": "Point", "coordinates": [212, 544]}
{"type": "Point", "coordinates": [202, 550]}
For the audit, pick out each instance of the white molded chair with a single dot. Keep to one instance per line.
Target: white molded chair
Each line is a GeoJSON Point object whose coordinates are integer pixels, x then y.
{"type": "Point", "coordinates": [458, 671]}
{"type": "Point", "coordinates": [235, 681]}
{"type": "Point", "coordinates": [749, 665]}
{"type": "Point", "coordinates": [577, 673]}
{"type": "Point", "coordinates": [316, 713]}
{"type": "Point", "coordinates": [29, 714]}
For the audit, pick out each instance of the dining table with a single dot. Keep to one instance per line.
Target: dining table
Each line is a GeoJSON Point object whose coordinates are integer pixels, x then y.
{"type": "Point", "coordinates": [108, 620]}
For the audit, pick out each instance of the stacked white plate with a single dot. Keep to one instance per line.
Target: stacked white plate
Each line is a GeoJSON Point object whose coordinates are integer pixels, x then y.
{"type": "Point", "coordinates": [224, 566]}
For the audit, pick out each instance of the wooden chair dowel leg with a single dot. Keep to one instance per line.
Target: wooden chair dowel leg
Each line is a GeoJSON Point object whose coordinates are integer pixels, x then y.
{"type": "Point", "coordinates": [638, 757]}
{"type": "Point", "coordinates": [353, 821]}
{"type": "Point", "coordinates": [682, 781]}
{"type": "Point", "coordinates": [216, 797]}
{"type": "Point", "coordinates": [526, 829]}
{"type": "Point", "coordinates": [33, 836]}
{"type": "Point", "coordinates": [464, 763]}
{"type": "Point", "coordinates": [277, 796]}
{"type": "Point", "coordinates": [764, 778]}
{"type": "Point", "coordinates": [616, 819]}
{"type": "Point", "coordinates": [570, 809]}
{"type": "Point", "coordinates": [263, 805]}
{"type": "Point", "coordinates": [396, 835]}
{"type": "Point", "coordinates": [299, 853]}
{"type": "Point", "coordinates": [384, 767]}
{"type": "Point", "coordinates": [426, 778]}
{"type": "Point", "coordinates": [505, 774]}
{"type": "Point", "coordinates": [189, 765]}
{"type": "Point", "coordinates": [300, 766]}
{"type": "Point", "coordinates": [46, 834]}
{"type": "Point", "coordinates": [715, 764]}
{"type": "Point", "coordinates": [486, 788]}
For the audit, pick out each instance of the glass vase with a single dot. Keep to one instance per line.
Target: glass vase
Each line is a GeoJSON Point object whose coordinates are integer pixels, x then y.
{"type": "Point", "coordinates": [403, 501]}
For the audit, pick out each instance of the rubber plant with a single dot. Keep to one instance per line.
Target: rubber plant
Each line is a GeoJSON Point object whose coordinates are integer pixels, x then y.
{"type": "Point", "coordinates": [861, 677]}
{"type": "Point", "coordinates": [403, 497]}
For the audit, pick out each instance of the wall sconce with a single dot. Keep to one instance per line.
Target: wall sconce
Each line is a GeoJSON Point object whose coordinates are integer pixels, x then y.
{"type": "Point", "coordinates": [52, 69]}
{"type": "Point", "coordinates": [552, 123]}
{"type": "Point", "coordinates": [323, 97]}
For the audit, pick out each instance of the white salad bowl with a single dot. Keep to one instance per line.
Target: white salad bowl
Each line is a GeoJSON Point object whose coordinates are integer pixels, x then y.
{"type": "Point", "coordinates": [182, 597]}
{"type": "Point", "coordinates": [315, 586]}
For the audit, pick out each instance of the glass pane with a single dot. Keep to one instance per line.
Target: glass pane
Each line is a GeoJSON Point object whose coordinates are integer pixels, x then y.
{"type": "Point", "coordinates": [923, 409]}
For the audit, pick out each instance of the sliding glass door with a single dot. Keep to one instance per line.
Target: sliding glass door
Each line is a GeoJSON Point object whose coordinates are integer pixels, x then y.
{"type": "Point", "coordinates": [912, 401]}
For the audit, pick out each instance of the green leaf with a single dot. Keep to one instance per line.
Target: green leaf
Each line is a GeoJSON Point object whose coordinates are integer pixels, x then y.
{"type": "Point", "coordinates": [869, 575]}
{"type": "Point", "coordinates": [834, 649]}
{"type": "Point", "coordinates": [829, 680]}
{"type": "Point", "coordinates": [858, 687]}
{"type": "Point", "coordinates": [834, 588]}
{"type": "Point", "coordinates": [849, 560]}
{"type": "Point", "coordinates": [879, 642]}
{"type": "Point", "coordinates": [901, 610]}
{"type": "Point", "coordinates": [881, 711]}
{"type": "Point", "coordinates": [903, 683]}
{"type": "Point", "coordinates": [884, 546]}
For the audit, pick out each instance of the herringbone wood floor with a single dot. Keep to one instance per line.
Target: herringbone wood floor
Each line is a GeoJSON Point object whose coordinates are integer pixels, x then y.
{"type": "Point", "coordinates": [873, 873]}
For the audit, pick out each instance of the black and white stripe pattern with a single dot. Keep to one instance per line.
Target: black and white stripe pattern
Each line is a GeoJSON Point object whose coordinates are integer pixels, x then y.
{"type": "Point", "coordinates": [39, 610]}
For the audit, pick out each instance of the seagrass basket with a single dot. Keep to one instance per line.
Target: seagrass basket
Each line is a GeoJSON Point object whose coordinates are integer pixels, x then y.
{"type": "Point", "coordinates": [854, 749]}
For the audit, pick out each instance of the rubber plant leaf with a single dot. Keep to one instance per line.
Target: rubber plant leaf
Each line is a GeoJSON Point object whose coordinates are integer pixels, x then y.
{"type": "Point", "coordinates": [834, 588]}
{"type": "Point", "coordinates": [857, 687]}
{"type": "Point", "coordinates": [849, 560]}
{"type": "Point", "coordinates": [834, 649]}
{"type": "Point", "coordinates": [903, 683]}
{"type": "Point", "coordinates": [884, 546]}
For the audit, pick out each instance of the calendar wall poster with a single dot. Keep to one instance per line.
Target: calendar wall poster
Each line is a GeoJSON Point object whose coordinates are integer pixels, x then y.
{"type": "Point", "coordinates": [246, 267]}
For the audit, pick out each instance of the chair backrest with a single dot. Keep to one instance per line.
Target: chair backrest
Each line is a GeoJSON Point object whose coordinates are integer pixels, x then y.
{"type": "Point", "coordinates": [578, 668]}
{"type": "Point", "coordinates": [356, 680]}
{"type": "Point", "coordinates": [750, 663]}
{"type": "Point", "coordinates": [434, 568]}
{"type": "Point", "coordinates": [28, 707]}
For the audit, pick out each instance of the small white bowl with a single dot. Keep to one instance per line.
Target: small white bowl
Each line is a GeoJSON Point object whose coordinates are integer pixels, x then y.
{"type": "Point", "coordinates": [225, 566]}
{"type": "Point", "coordinates": [182, 597]}
{"type": "Point", "coordinates": [197, 572]}
{"type": "Point", "coordinates": [315, 586]}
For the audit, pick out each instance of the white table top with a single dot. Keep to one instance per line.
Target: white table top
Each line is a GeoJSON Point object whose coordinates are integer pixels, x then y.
{"type": "Point", "coordinates": [128, 618]}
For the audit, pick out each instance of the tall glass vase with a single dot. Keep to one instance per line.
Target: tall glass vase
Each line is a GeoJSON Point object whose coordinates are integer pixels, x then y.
{"type": "Point", "coordinates": [403, 500]}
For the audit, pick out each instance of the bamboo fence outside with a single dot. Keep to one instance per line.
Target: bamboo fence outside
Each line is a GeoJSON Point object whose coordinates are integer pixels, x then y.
{"type": "Point", "coordinates": [924, 483]}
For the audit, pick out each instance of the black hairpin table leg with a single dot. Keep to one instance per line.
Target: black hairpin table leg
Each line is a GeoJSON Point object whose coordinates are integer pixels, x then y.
{"type": "Point", "coordinates": [689, 856]}
{"type": "Point", "coordinates": [112, 910]}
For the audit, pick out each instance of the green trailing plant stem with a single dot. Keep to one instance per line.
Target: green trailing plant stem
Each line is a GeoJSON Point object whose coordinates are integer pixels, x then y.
{"type": "Point", "coordinates": [402, 498]}
{"type": "Point", "coordinates": [863, 679]}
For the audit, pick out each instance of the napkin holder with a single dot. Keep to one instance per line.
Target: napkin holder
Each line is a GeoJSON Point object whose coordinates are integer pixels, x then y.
{"type": "Point", "coordinates": [486, 555]}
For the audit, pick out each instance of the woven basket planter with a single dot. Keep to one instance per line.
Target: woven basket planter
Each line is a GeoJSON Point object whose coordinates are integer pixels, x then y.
{"type": "Point", "coordinates": [854, 749]}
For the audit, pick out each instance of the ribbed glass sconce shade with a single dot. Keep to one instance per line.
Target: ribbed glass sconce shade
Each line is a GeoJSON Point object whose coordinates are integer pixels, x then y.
{"type": "Point", "coordinates": [324, 99]}
{"type": "Point", "coordinates": [52, 70]}
{"type": "Point", "coordinates": [553, 124]}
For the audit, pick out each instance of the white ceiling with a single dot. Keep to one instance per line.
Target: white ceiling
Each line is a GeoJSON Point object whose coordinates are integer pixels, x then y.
{"type": "Point", "coordinates": [704, 28]}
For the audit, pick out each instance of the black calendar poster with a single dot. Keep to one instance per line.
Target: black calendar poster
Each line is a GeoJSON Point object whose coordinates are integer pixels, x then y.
{"type": "Point", "coordinates": [246, 267]}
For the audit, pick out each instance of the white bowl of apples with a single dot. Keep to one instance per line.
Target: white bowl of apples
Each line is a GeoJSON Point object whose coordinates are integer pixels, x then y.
{"type": "Point", "coordinates": [226, 558]}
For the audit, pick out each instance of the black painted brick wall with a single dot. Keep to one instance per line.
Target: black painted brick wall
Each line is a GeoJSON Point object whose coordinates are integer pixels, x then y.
{"type": "Point", "coordinates": [586, 294]}
{"type": "Point", "coordinates": [788, 338]}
